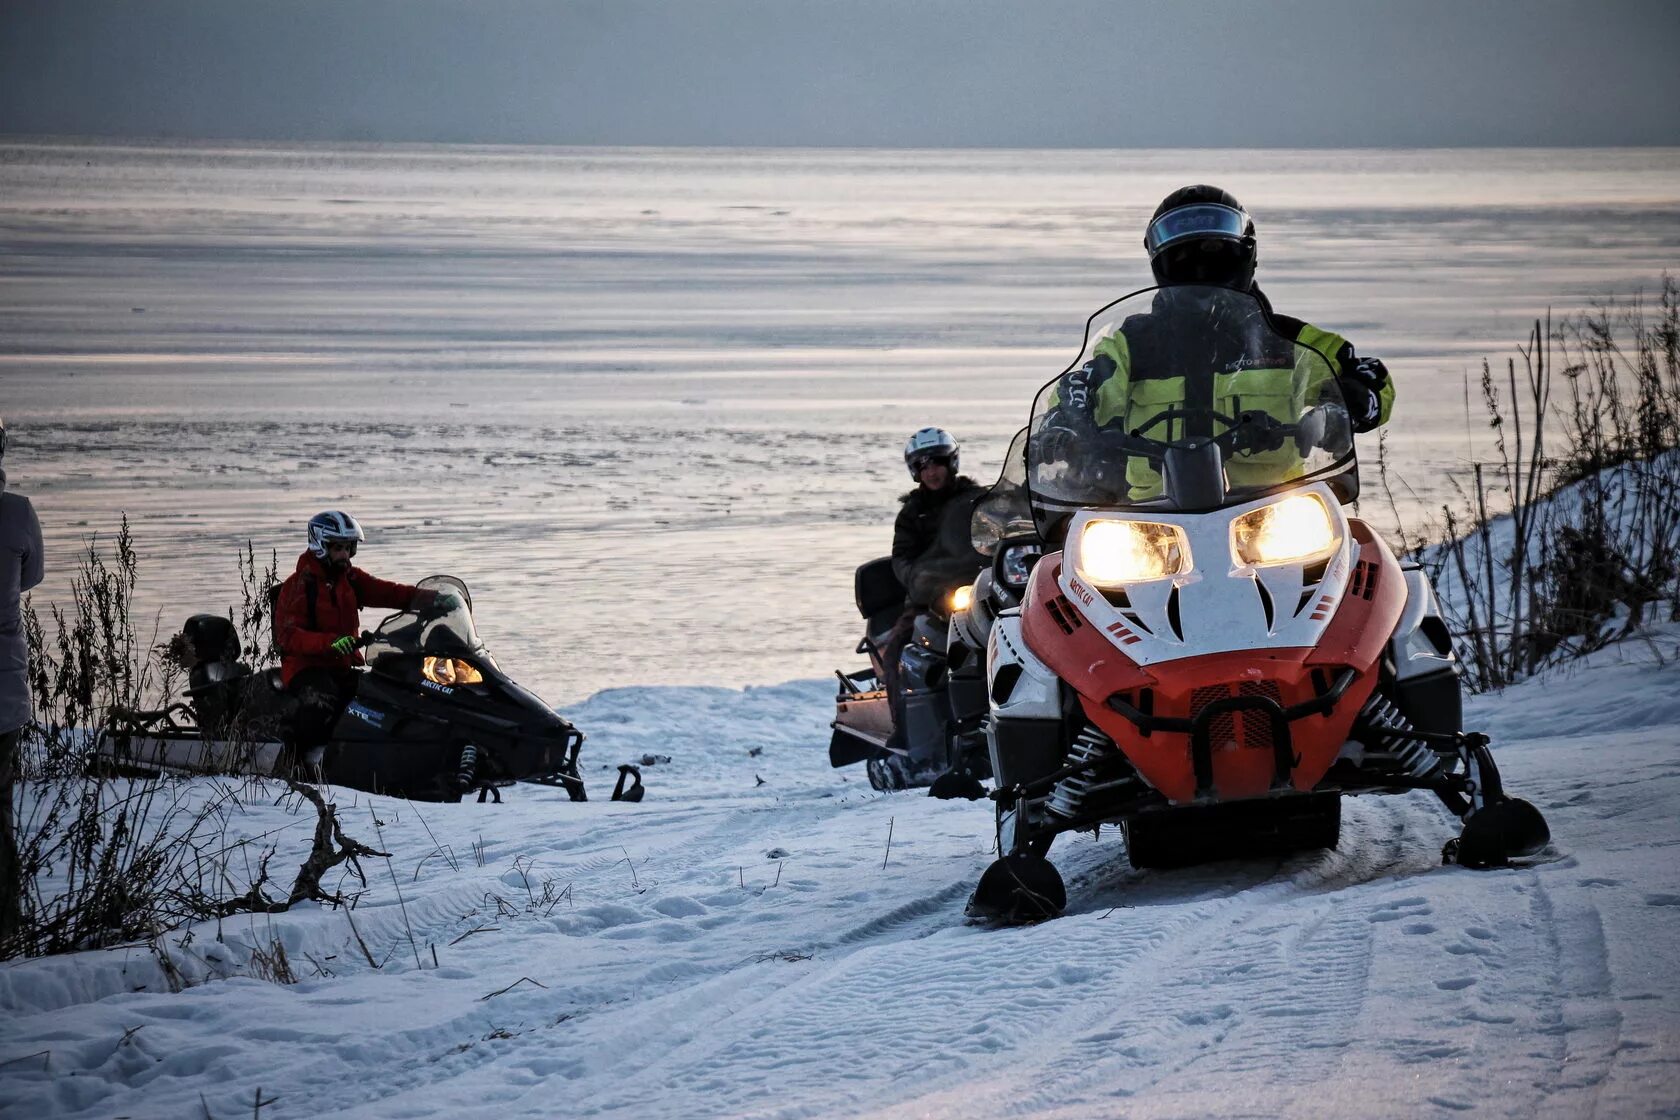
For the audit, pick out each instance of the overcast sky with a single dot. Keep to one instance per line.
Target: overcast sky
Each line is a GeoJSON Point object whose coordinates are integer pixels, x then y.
{"type": "Point", "coordinates": [1059, 73]}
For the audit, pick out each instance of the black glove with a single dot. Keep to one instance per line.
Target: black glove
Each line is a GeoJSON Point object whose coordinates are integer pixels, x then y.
{"type": "Point", "coordinates": [1258, 431]}
{"type": "Point", "coordinates": [1054, 441]}
{"type": "Point", "coordinates": [1078, 391]}
{"type": "Point", "coordinates": [1361, 387]}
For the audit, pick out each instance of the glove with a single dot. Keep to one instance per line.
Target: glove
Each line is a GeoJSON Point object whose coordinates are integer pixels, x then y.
{"type": "Point", "coordinates": [1054, 441]}
{"type": "Point", "coordinates": [1259, 431]}
{"type": "Point", "coordinates": [1079, 387]}
{"type": "Point", "coordinates": [1361, 387]}
{"type": "Point", "coordinates": [1324, 426]}
{"type": "Point", "coordinates": [344, 646]}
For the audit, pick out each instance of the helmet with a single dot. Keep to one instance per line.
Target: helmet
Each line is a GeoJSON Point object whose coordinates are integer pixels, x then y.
{"type": "Point", "coordinates": [329, 527]}
{"type": "Point", "coordinates": [1202, 235]}
{"type": "Point", "coordinates": [930, 443]}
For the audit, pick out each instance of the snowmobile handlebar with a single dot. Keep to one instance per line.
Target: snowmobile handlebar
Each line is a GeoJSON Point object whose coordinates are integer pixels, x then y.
{"type": "Point", "coordinates": [1253, 430]}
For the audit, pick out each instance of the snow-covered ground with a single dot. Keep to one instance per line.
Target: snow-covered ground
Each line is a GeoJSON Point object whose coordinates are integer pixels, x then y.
{"type": "Point", "coordinates": [745, 943]}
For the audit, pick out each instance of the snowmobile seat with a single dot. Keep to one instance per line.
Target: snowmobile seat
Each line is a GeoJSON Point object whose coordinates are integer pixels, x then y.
{"type": "Point", "coordinates": [880, 598]}
{"type": "Point", "coordinates": [215, 682]}
{"type": "Point", "coordinates": [212, 638]}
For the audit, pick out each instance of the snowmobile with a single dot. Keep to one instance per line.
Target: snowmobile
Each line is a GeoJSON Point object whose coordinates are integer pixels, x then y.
{"type": "Point", "coordinates": [1211, 653]}
{"type": "Point", "coordinates": [433, 717]}
{"type": "Point", "coordinates": [930, 746]}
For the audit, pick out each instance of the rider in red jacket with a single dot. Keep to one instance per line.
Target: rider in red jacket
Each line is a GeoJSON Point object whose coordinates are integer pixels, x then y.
{"type": "Point", "coordinates": [317, 621]}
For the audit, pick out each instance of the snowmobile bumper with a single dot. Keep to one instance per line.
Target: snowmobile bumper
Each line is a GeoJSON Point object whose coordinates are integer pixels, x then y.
{"type": "Point", "coordinates": [1200, 727]}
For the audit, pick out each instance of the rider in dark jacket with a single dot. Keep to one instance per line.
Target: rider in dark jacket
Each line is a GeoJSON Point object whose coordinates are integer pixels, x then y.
{"type": "Point", "coordinates": [925, 557]}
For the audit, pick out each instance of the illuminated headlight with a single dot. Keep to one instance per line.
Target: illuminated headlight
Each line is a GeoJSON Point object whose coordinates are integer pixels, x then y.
{"type": "Point", "coordinates": [450, 671]}
{"type": "Point", "coordinates": [1296, 530]}
{"type": "Point", "coordinates": [1114, 553]}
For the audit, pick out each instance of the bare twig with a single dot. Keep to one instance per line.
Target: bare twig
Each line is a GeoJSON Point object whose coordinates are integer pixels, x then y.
{"type": "Point", "coordinates": [475, 929]}
{"type": "Point", "coordinates": [511, 987]}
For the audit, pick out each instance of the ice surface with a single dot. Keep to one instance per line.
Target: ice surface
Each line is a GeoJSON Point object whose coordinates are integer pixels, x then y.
{"type": "Point", "coordinates": [648, 403]}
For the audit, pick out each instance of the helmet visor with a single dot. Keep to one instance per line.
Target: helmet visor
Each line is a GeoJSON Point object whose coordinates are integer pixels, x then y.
{"type": "Point", "coordinates": [1205, 219]}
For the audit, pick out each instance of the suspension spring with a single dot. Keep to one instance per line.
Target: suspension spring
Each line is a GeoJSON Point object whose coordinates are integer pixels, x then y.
{"type": "Point", "coordinates": [1390, 752]}
{"type": "Point", "coordinates": [1072, 794]}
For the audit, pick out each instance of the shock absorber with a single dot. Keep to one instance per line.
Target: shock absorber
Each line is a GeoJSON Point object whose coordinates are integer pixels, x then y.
{"type": "Point", "coordinates": [1072, 794]}
{"type": "Point", "coordinates": [1396, 753]}
{"type": "Point", "coordinates": [466, 774]}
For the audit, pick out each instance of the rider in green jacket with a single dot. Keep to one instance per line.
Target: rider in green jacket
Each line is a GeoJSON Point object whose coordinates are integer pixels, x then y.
{"type": "Point", "coordinates": [1201, 236]}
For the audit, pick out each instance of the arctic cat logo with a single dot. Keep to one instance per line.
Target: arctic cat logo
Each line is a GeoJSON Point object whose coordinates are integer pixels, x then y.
{"type": "Point", "coordinates": [366, 715]}
{"type": "Point", "coordinates": [435, 687]}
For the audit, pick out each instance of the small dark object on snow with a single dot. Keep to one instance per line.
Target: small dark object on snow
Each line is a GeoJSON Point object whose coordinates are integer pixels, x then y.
{"type": "Point", "coordinates": [954, 784]}
{"type": "Point", "coordinates": [634, 792]}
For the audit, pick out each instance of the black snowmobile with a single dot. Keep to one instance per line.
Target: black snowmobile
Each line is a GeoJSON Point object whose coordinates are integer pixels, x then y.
{"type": "Point", "coordinates": [434, 717]}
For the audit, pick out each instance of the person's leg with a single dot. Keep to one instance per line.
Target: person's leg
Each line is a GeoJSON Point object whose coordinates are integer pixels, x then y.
{"type": "Point", "coordinates": [891, 651]}
{"type": "Point", "coordinates": [321, 697]}
{"type": "Point", "coordinates": [11, 874]}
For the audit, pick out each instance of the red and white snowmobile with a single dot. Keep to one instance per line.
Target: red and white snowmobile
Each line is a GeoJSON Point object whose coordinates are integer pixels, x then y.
{"type": "Point", "coordinates": [1217, 653]}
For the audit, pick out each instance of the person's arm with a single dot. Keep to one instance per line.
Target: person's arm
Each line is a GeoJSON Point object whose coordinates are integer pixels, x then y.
{"type": "Point", "coordinates": [1364, 382]}
{"type": "Point", "coordinates": [907, 545]}
{"type": "Point", "coordinates": [34, 558]}
{"type": "Point", "coordinates": [373, 592]}
{"type": "Point", "coordinates": [291, 632]}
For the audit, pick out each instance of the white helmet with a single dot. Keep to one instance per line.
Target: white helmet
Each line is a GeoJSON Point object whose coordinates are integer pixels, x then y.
{"type": "Point", "coordinates": [930, 443]}
{"type": "Point", "coordinates": [329, 527]}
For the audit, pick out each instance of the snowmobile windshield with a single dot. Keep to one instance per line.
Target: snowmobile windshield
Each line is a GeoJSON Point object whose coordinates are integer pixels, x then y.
{"type": "Point", "coordinates": [433, 633]}
{"type": "Point", "coordinates": [1004, 511]}
{"type": "Point", "coordinates": [1186, 397]}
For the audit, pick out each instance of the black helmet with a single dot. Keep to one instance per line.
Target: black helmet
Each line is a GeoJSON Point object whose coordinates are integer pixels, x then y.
{"type": "Point", "coordinates": [1202, 235]}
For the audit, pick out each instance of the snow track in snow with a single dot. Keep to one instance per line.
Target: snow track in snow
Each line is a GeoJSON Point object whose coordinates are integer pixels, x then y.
{"type": "Point", "coordinates": [733, 949]}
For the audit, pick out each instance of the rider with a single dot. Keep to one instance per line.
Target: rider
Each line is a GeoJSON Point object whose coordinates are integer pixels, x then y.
{"type": "Point", "coordinates": [316, 623]}
{"type": "Point", "coordinates": [924, 558]}
{"type": "Point", "coordinates": [1201, 235]}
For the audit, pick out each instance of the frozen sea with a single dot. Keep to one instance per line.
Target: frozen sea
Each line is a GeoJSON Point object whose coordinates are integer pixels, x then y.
{"type": "Point", "coordinates": [649, 402]}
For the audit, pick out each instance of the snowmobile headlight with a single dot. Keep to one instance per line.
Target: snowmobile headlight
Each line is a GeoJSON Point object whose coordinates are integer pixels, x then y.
{"type": "Point", "coordinates": [1296, 530]}
{"type": "Point", "coordinates": [1114, 553]}
{"type": "Point", "coordinates": [450, 671]}
{"type": "Point", "coordinates": [960, 599]}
